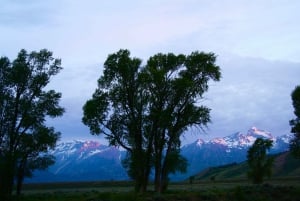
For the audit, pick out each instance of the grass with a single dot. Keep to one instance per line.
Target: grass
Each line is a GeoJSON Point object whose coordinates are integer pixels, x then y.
{"type": "Point", "coordinates": [281, 190]}
{"type": "Point", "coordinates": [106, 186]}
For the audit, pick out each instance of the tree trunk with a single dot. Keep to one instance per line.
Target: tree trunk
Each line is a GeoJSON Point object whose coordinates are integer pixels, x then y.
{"type": "Point", "coordinates": [164, 180]}
{"type": "Point", "coordinates": [157, 179]}
{"type": "Point", "coordinates": [141, 182]}
{"type": "Point", "coordinates": [158, 170]}
{"type": "Point", "coordinates": [165, 171]}
{"type": "Point", "coordinates": [6, 178]}
{"type": "Point", "coordinates": [141, 170]}
{"type": "Point", "coordinates": [137, 185]}
{"type": "Point", "coordinates": [20, 176]}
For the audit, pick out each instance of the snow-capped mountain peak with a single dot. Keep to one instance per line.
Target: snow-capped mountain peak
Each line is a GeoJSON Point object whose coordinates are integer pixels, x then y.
{"type": "Point", "coordinates": [230, 149]}
{"type": "Point", "coordinates": [200, 142]}
{"type": "Point", "coordinates": [255, 132]}
{"type": "Point", "coordinates": [219, 140]}
{"type": "Point", "coordinates": [240, 140]}
{"type": "Point", "coordinates": [90, 160]}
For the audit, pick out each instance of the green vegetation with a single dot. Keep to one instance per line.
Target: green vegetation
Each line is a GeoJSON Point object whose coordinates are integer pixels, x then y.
{"type": "Point", "coordinates": [177, 192]}
{"type": "Point", "coordinates": [230, 183]}
{"type": "Point", "coordinates": [295, 123]}
{"type": "Point", "coordinates": [25, 138]}
{"type": "Point", "coordinates": [146, 109]}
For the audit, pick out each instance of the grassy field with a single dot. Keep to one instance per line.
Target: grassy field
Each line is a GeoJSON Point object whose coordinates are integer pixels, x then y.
{"type": "Point", "coordinates": [285, 189]}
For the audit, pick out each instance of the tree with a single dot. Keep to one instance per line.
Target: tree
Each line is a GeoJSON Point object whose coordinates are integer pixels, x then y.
{"type": "Point", "coordinates": [146, 109]}
{"type": "Point", "coordinates": [117, 109]}
{"type": "Point", "coordinates": [260, 165]}
{"type": "Point", "coordinates": [34, 153]}
{"type": "Point", "coordinates": [24, 107]}
{"type": "Point", "coordinates": [176, 85]}
{"type": "Point", "coordinates": [295, 123]}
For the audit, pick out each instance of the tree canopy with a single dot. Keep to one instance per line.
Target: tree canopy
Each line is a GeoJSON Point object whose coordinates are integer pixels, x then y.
{"type": "Point", "coordinates": [295, 123]}
{"type": "Point", "coordinates": [146, 109]}
{"type": "Point", "coordinates": [24, 106]}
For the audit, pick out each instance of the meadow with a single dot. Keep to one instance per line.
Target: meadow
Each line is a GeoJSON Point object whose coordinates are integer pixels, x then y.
{"type": "Point", "coordinates": [283, 189]}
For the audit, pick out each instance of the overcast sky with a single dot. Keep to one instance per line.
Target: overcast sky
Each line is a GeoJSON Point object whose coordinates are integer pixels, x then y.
{"type": "Point", "coordinates": [257, 43]}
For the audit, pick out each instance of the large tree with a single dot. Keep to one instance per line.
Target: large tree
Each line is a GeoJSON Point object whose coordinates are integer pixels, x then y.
{"type": "Point", "coordinates": [295, 123]}
{"type": "Point", "coordinates": [176, 85]}
{"type": "Point", "coordinates": [146, 109]}
{"type": "Point", "coordinates": [24, 106]}
{"type": "Point", "coordinates": [118, 110]}
{"type": "Point", "coordinates": [260, 165]}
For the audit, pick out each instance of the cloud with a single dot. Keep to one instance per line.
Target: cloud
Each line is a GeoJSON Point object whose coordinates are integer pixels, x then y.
{"type": "Point", "coordinates": [22, 14]}
{"type": "Point", "coordinates": [253, 92]}
{"type": "Point", "coordinates": [255, 42]}
{"type": "Point", "coordinates": [86, 31]}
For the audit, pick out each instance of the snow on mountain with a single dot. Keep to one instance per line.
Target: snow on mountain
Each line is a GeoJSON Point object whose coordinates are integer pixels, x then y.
{"type": "Point", "coordinates": [91, 160]}
{"type": "Point", "coordinates": [233, 148]}
{"type": "Point", "coordinates": [240, 140]}
{"type": "Point", "coordinates": [200, 142]}
{"type": "Point", "coordinates": [84, 161]}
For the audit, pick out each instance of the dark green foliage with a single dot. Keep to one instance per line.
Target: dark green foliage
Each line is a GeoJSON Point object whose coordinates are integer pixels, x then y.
{"type": "Point", "coordinates": [260, 165]}
{"type": "Point", "coordinates": [295, 123]}
{"type": "Point", "coordinates": [146, 109]}
{"type": "Point", "coordinates": [24, 105]}
{"type": "Point", "coordinates": [117, 109]}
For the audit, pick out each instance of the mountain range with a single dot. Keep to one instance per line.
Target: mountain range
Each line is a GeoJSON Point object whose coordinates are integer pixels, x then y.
{"type": "Point", "coordinates": [230, 149]}
{"type": "Point", "coordinates": [93, 161]}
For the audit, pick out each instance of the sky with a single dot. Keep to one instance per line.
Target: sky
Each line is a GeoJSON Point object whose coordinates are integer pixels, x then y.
{"type": "Point", "coordinates": [256, 43]}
